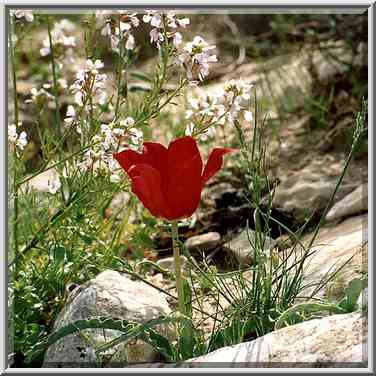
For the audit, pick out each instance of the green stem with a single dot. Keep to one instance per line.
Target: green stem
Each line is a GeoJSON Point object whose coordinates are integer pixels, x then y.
{"type": "Point", "coordinates": [119, 73]}
{"type": "Point", "coordinates": [179, 279]}
{"type": "Point", "coordinates": [54, 75]}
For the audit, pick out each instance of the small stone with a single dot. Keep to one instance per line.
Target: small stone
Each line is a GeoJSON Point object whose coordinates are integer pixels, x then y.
{"type": "Point", "coordinates": [168, 263]}
{"type": "Point", "coordinates": [205, 242]}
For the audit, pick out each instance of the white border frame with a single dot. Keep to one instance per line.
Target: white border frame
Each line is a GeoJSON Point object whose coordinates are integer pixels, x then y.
{"type": "Point", "coordinates": [276, 6]}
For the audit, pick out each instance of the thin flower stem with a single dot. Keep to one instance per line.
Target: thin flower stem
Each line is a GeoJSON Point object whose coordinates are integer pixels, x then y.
{"type": "Point", "coordinates": [54, 76]}
{"type": "Point", "coordinates": [179, 279]}
{"type": "Point", "coordinates": [119, 73]}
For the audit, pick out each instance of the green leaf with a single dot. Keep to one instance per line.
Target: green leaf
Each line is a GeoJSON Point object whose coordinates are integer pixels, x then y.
{"type": "Point", "coordinates": [58, 254]}
{"type": "Point", "coordinates": [352, 293]}
{"type": "Point", "coordinates": [301, 312]}
{"type": "Point", "coordinates": [139, 87]}
{"type": "Point", "coordinates": [141, 76]}
{"type": "Point", "coordinates": [160, 343]}
{"type": "Point", "coordinates": [130, 329]}
{"type": "Point", "coordinates": [186, 341]}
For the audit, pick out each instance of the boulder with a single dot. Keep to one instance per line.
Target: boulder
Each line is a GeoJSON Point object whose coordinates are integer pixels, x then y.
{"type": "Point", "coordinates": [354, 203]}
{"type": "Point", "coordinates": [334, 341]}
{"type": "Point", "coordinates": [110, 294]}
{"type": "Point", "coordinates": [309, 189]}
{"type": "Point", "coordinates": [335, 246]}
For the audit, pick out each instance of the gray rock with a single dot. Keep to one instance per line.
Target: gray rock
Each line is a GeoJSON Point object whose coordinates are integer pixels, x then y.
{"type": "Point", "coordinates": [308, 189]}
{"type": "Point", "coordinates": [354, 203]}
{"type": "Point", "coordinates": [204, 242]}
{"type": "Point", "coordinates": [110, 294]}
{"type": "Point", "coordinates": [334, 247]}
{"type": "Point", "coordinates": [242, 246]}
{"type": "Point", "coordinates": [168, 263]}
{"type": "Point", "coordinates": [325, 342]}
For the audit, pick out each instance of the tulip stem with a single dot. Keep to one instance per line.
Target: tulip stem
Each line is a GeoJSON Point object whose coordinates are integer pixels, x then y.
{"type": "Point", "coordinates": [179, 279]}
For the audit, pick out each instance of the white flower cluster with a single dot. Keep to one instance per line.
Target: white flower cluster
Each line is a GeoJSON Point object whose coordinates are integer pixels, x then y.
{"type": "Point", "coordinates": [228, 105]}
{"type": "Point", "coordinates": [26, 14]}
{"type": "Point", "coordinates": [89, 82]}
{"type": "Point", "coordinates": [39, 95]}
{"type": "Point", "coordinates": [119, 29]}
{"type": "Point", "coordinates": [63, 43]}
{"type": "Point", "coordinates": [164, 26]}
{"type": "Point", "coordinates": [108, 141]}
{"type": "Point", "coordinates": [20, 140]}
{"type": "Point", "coordinates": [196, 57]}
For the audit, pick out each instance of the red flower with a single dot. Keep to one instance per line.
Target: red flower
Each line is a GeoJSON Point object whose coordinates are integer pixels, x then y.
{"type": "Point", "coordinates": [169, 181]}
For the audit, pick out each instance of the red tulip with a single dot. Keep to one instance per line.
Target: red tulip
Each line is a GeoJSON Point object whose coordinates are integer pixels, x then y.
{"type": "Point", "coordinates": [169, 181]}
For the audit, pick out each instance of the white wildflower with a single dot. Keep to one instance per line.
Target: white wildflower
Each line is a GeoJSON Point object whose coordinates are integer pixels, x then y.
{"type": "Point", "coordinates": [196, 58]}
{"type": "Point", "coordinates": [177, 39]}
{"type": "Point", "coordinates": [130, 44]}
{"type": "Point", "coordinates": [156, 36]}
{"type": "Point", "coordinates": [189, 129]}
{"type": "Point", "coordinates": [78, 98]}
{"type": "Point", "coordinates": [248, 116]}
{"type": "Point", "coordinates": [136, 137]}
{"type": "Point", "coordinates": [89, 82]}
{"type": "Point", "coordinates": [208, 133]}
{"type": "Point", "coordinates": [71, 115]}
{"type": "Point", "coordinates": [106, 30]}
{"type": "Point", "coordinates": [12, 133]}
{"type": "Point", "coordinates": [62, 42]}
{"type": "Point", "coordinates": [27, 14]}
{"type": "Point", "coordinates": [22, 140]}
{"type": "Point", "coordinates": [165, 25]}
{"type": "Point", "coordinates": [127, 122]}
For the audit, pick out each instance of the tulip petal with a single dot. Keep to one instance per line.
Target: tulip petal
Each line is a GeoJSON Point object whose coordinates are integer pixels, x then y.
{"type": "Point", "coordinates": [182, 185]}
{"type": "Point", "coordinates": [129, 158]}
{"type": "Point", "coordinates": [214, 163]}
{"type": "Point", "coordinates": [153, 154]}
{"type": "Point", "coordinates": [146, 185]}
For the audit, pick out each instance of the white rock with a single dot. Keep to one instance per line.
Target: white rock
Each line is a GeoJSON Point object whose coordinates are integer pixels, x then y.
{"type": "Point", "coordinates": [316, 343]}
{"type": "Point", "coordinates": [110, 294]}
{"type": "Point", "coordinates": [40, 182]}
{"type": "Point", "coordinates": [354, 203]}
{"type": "Point", "coordinates": [204, 242]}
